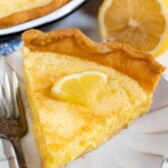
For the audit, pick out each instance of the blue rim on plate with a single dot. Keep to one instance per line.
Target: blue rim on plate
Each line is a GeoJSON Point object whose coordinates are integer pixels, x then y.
{"type": "Point", "coordinates": [9, 46]}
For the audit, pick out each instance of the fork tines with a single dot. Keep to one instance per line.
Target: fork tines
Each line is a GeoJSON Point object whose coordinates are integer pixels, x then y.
{"type": "Point", "coordinates": [13, 125]}
{"type": "Point", "coordinates": [8, 97]}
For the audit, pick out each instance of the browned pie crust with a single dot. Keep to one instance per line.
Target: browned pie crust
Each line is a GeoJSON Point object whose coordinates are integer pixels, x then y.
{"type": "Point", "coordinates": [138, 65]}
{"type": "Point", "coordinates": [31, 14]}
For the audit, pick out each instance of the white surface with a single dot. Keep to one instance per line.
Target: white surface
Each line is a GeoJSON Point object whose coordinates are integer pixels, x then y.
{"type": "Point", "coordinates": [143, 145]}
{"type": "Point", "coordinates": [73, 4]}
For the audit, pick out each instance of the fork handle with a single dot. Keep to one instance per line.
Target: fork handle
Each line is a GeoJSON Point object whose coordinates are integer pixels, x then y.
{"type": "Point", "coordinates": [19, 153]}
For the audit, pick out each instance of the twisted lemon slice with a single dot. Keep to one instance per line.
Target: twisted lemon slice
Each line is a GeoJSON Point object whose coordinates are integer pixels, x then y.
{"type": "Point", "coordinates": [79, 88]}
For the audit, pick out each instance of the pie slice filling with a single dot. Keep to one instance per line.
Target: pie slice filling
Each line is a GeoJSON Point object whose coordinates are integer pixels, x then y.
{"type": "Point", "coordinates": [65, 130]}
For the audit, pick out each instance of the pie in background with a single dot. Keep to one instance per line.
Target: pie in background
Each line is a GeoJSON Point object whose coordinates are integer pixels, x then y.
{"type": "Point", "coordinates": [14, 12]}
{"type": "Point", "coordinates": [60, 66]}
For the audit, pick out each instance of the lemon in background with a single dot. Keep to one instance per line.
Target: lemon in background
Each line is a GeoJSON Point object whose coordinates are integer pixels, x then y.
{"type": "Point", "coordinates": [141, 23]}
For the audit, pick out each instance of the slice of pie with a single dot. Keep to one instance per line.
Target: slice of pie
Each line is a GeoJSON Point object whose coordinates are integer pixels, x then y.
{"type": "Point", "coordinates": [13, 12]}
{"type": "Point", "coordinates": [82, 93]}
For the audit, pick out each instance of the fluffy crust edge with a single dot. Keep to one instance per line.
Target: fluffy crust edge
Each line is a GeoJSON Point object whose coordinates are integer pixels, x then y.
{"type": "Point", "coordinates": [140, 66]}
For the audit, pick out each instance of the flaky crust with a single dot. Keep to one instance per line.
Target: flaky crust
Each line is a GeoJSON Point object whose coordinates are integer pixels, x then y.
{"type": "Point", "coordinates": [138, 65]}
{"type": "Point", "coordinates": [31, 14]}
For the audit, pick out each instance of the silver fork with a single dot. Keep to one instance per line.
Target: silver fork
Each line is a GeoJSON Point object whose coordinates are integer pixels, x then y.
{"type": "Point", "coordinates": [13, 125]}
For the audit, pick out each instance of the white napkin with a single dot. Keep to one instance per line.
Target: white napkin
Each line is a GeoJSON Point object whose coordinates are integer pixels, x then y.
{"type": "Point", "coordinates": [143, 145]}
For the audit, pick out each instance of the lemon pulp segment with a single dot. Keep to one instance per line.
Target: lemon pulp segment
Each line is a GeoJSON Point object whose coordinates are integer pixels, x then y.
{"type": "Point", "coordinates": [142, 24]}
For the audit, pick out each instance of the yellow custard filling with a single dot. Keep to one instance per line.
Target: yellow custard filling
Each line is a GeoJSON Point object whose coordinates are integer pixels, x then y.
{"type": "Point", "coordinates": [63, 130]}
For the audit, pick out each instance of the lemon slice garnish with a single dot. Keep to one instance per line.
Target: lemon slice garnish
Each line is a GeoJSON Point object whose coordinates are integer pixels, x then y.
{"type": "Point", "coordinates": [80, 87]}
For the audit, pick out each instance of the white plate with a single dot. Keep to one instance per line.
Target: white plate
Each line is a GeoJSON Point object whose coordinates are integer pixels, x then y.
{"type": "Point", "coordinates": [56, 15]}
{"type": "Point", "coordinates": [143, 145]}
